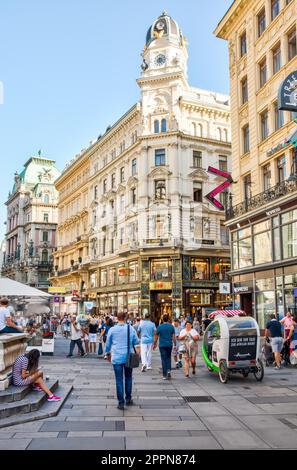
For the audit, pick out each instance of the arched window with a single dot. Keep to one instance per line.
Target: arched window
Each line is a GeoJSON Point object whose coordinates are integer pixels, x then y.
{"type": "Point", "coordinates": [194, 128]}
{"type": "Point", "coordinates": [226, 134]}
{"type": "Point", "coordinates": [219, 132]}
{"type": "Point", "coordinates": [44, 256]}
{"type": "Point", "coordinates": [156, 127]}
{"type": "Point", "coordinates": [163, 125]}
{"type": "Point", "coordinates": [200, 130]}
{"type": "Point", "coordinates": [46, 199]}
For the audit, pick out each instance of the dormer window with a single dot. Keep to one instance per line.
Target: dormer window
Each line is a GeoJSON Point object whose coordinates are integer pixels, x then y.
{"type": "Point", "coordinates": [156, 126]}
{"type": "Point", "coordinates": [163, 125]}
{"type": "Point", "coordinates": [160, 125]}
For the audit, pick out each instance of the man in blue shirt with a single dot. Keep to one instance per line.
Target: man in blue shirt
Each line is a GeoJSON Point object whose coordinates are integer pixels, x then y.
{"type": "Point", "coordinates": [146, 331]}
{"type": "Point", "coordinates": [166, 335]}
{"type": "Point", "coordinates": [116, 350]}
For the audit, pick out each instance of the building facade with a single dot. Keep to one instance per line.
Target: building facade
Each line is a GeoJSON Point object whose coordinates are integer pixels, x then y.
{"type": "Point", "coordinates": [32, 214]}
{"type": "Point", "coordinates": [263, 214]}
{"type": "Point", "coordinates": [155, 242]}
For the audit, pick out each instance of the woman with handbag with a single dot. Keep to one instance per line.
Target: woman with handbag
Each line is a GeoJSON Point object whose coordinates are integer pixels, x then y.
{"type": "Point", "coordinates": [121, 340]}
{"type": "Point", "coordinates": [189, 348]}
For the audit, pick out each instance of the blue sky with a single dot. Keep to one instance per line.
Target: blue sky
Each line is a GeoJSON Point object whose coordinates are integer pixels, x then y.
{"type": "Point", "coordinates": [68, 68]}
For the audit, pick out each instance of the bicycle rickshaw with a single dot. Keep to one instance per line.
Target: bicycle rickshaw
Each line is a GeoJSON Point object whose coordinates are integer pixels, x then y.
{"type": "Point", "coordinates": [231, 344]}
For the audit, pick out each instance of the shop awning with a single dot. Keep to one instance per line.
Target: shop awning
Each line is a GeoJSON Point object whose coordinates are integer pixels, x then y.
{"type": "Point", "coordinates": [227, 313]}
{"type": "Point", "coordinates": [9, 287]}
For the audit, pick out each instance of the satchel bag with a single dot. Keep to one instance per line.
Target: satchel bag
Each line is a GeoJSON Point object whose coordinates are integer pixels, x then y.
{"type": "Point", "coordinates": [132, 358]}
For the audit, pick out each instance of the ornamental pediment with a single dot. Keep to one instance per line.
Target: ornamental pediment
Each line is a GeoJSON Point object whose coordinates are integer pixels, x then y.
{"type": "Point", "coordinates": [121, 189]}
{"type": "Point", "coordinates": [94, 204]}
{"type": "Point", "coordinates": [132, 181]}
{"type": "Point", "coordinates": [199, 173]}
{"type": "Point", "coordinates": [159, 171]}
{"type": "Point", "coordinates": [110, 194]}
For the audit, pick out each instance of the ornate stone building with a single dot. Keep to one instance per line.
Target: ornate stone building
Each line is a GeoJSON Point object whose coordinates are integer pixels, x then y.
{"type": "Point", "coordinates": [31, 223]}
{"type": "Point", "coordinates": [155, 242]}
{"type": "Point", "coordinates": [263, 216]}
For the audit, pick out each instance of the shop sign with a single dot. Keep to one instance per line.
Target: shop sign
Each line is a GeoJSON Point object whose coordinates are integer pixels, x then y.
{"type": "Point", "coordinates": [57, 290]}
{"type": "Point", "coordinates": [56, 299]}
{"type": "Point", "coordinates": [75, 299]}
{"type": "Point", "coordinates": [75, 293]}
{"type": "Point", "coordinates": [160, 285]}
{"type": "Point", "coordinates": [207, 242]}
{"type": "Point", "coordinates": [88, 306]}
{"type": "Point", "coordinates": [225, 288]}
{"type": "Point", "coordinates": [274, 211]}
{"type": "Point", "coordinates": [212, 195]}
{"type": "Point", "coordinates": [239, 290]}
{"type": "Point", "coordinates": [287, 96]}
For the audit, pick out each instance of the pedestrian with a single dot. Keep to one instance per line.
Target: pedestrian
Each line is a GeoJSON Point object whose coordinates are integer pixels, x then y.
{"type": "Point", "coordinates": [117, 353]}
{"type": "Point", "coordinates": [205, 322]}
{"type": "Point", "coordinates": [189, 337]}
{"type": "Point", "coordinates": [93, 329]}
{"type": "Point", "coordinates": [136, 324]}
{"type": "Point", "coordinates": [196, 325]}
{"type": "Point", "coordinates": [75, 337]}
{"type": "Point", "coordinates": [146, 331]}
{"type": "Point", "coordinates": [7, 325]}
{"type": "Point", "coordinates": [182, 322]}
{"type": "Point", "coordinates": [176, 354]}
{"type": "Point", "coordinates": [166, 335]}
{"type": "Point", "coordinates": [274, 328]}
{"type": "Point", "coordinates": [292, 340]}
{"type": "Point", "coordinates": [85, 337]}
{"type": "Point", "coordinates": [287, 322]}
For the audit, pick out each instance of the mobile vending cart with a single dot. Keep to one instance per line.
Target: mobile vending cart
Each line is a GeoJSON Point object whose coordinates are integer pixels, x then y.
{"type": "Point", "coordinates": [231, 344]}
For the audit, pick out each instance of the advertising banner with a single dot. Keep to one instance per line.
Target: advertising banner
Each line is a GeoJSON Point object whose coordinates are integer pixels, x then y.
{"type": "Point", "coordinates": [242, 348]}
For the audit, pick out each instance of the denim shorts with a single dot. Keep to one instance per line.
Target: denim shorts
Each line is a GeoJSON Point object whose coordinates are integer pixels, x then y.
{"type": "Point", "coordinates": [277, 344]}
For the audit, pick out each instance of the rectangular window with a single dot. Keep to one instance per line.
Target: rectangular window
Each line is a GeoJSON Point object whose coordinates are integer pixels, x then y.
{"type": "Point", "coordinates": [276, 56]}
{"type": "Point", "coordinates": [134, 167]}
{"type": "Point", "coordinates": [243, 44]}
{"type": "Point", "coordinates": [244, 90]}
{"type": "Point", "coordinates": [159, 157]}
{"type": "Point", "coordinates": [122, 173]}
{"type": "Point", "coordinates": [103, 278]}
{"type": "Point", "coordinates": [278, 117]}
{"type": "Point", "coordinates": [199, 269]}
{"type": "Point", "coordinates": [104, 186]}
{"type": "Point", "coordinates": [292, 49]}
{"type": "Point", "coordinates": [133, 196]}
{"type": "Point", "coordinates": [197, 191]}
{"type": "Point", "coordinates": [245, 253]}
{"type": "Point", "coordinates": [45, 236]}
{"type": "Point", "coordinates": [247, 186]}
{"type": "Point", "coordinates": [160, 189]}
{"type": "Point", "coordinates": [161, 270]}
{"type": "Point", "coordinates": [113, 180]}
{"type": "Point", "coordinates": [262, 248]}
{"type": "Point", "coordinates": [261, 22]}
{"type": "Point", "coordinates": [264, 125]}
{"type": "Point", "coordinates": [45, 218]}
{"type": "Point", "coordinates": [263, 72]}
{"type": "Point", "coordinates": [266, 177]}
{"type": "Point", "coordinates": [289, 240]}
{"type": "Point", "coordinates": [246, 139]}
{"type": "Point", "coordinates": [275, 9]}
{"type": "Point", "coordinates": [95, 193]}
{"type": "Point", "coordinates": [223, 163]}
{"type": "Point", "coordinates": [122, 232]}
{"type": "Point", "coordinates": [133, 271]}
{"type": "Point", "coordinates": [197, 159]}
{"type": "Point", "coordinates": [281, 168]}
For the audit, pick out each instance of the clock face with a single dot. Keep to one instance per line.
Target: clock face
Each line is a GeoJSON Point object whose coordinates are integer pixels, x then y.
{"type": "Point", "coordinates": [160, 59]}
{"type": "Point", "coordinates": [160, 25]}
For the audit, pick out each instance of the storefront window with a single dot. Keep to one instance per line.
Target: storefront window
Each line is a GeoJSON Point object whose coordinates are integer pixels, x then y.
{"type": "Point", "coordinates": [103, 301]}
{"type": "Point", "coordinates": [262, 248]}
{"type": "Point", "coordinates": [276, 244]}
{"type": "Point", "coordinates": [103, 278]}
{"type": "Point", "coordinates": [261, 227]}
{"type": "Point", "coordinates": [111, 276]}
{"type": "Point", "coordinates": [200, 297]}
{"type": "Point", "coordinates": [161, 270]}
{"type": "Point", "coordinates": [121, 274]}
{"type": "Point", "coordinates": [93, 280]}
{"type": "Point", "coordinates": [289, 216]}
{"type": "Point", "coordinates": [265, 305]}
{"type": "Point", "coordinates": [133, 271]}
{"type": "Point", "coordinates": [245, 252]}
{"type": "Point", "coordinates": [199, 269]}
{"type": "Point", "coordinates": [112, 304]}
{"type": "Point", "coordinates": [290, 240]}
{"type": "Point", "coordinates": [290, 284]}
{"type": "Point", "coordinates": [122, 302]}
{"type": "Point", "coordinates": [133, 302]}
{"type": "Point", "coordinates": [245, 232]}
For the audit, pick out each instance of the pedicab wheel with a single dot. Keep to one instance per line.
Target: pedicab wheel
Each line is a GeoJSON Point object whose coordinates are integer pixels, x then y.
{"type": "Point", "coordinates": [223, 372]}
{"type": "Point", "coordinates": [259, 374]}
{"type": "Point", "coordinates": [209, 369]}
{"type": "Point", "coordinates": [245, 374]}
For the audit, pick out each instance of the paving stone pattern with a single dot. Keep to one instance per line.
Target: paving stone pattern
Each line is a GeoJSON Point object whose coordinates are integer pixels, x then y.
{"type": "Point", "coordinates": [243, 414]}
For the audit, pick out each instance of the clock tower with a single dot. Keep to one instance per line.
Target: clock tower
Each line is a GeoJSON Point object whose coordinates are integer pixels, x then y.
{"type": "Point", "coordinates": [164, 75]}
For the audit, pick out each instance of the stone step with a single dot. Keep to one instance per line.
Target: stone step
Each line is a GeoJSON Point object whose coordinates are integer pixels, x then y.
{"type": "Point", "coordinates": [47, 410]}
{"type": "Point", "coordinates": [32, 402]}
{"type": "Point", "coordinates": [13, 393]}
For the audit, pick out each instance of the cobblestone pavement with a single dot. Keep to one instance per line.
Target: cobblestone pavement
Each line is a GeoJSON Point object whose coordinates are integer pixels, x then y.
{"type": "Point", "coordinates": [242, 414]}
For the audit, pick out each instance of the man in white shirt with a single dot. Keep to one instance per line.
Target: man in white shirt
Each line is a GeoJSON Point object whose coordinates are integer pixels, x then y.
{"type": "Point", "coordinates": [6, 323]}
{"type": "Point", "coordinates": [75, 337]}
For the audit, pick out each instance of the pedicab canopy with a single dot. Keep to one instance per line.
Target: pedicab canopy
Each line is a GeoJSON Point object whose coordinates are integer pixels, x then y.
{"type": "Point", "coordinates": [227, 313]}
{"type": "Point", "coordinates": [9, 288]}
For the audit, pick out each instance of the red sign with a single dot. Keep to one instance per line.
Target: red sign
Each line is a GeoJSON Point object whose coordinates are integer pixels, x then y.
{"type": "Point", "coordinates": [211, 196]}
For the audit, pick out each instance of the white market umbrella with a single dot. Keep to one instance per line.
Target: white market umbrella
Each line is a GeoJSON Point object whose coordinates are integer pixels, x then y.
{"type": "Point", "coordinates": [11, 288]}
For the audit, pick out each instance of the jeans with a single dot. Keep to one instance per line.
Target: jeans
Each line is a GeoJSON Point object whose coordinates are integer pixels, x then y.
{"type": "Point", "coordinates": [10, 329]}
{"type": "Point", "coordinates": [146, 354]}
{"type": "Point", "coordinates": [73, 342]}
{"type": "Point", "coordinates": [119, 371]}
{"type": "Point", "coordinates": [166, 359]}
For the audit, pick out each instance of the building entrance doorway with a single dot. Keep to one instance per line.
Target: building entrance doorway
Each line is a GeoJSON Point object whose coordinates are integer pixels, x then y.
{"type": "Point", "coordinates": [246, 303]}
{"type": "Point", "coordinates": [161, 304]}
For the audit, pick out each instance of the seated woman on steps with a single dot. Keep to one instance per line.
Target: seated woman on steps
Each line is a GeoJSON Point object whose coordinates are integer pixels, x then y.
{"type": "Point", "coordinates": [25, 372]}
